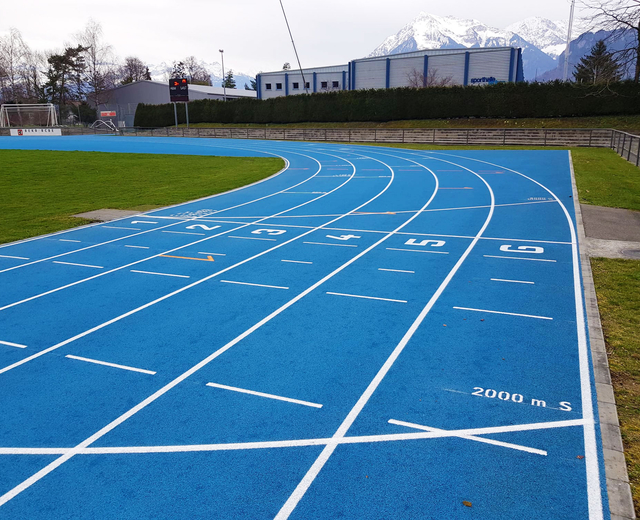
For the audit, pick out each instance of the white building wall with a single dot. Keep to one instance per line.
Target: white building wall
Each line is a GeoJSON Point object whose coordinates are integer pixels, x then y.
{"type": "Point", "coordinates": [488, 65]}
{"type": "Point", "coordinates": [448, 65]}
{"type": "Point", "coordinates": [402, 68]}
{"type": "Point", "coordinates": [371, 74]}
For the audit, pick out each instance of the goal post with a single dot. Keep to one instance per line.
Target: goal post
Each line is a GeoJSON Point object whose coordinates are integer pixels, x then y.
{"type": "Point", "coordinates": [36, 114]}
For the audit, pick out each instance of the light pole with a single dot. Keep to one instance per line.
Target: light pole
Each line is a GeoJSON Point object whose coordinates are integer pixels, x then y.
{"type": "Point", "coordinates": [224, 80]}
{"type": "Point", "coordinates": [565, 74]}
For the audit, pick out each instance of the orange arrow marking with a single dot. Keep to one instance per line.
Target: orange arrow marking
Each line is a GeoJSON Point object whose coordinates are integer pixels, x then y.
{"type": "Point", "coordinates": [208, 259]}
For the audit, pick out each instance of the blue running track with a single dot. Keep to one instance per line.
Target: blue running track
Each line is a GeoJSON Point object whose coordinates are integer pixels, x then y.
{"type": "Point", "coordinates": [371, 333]}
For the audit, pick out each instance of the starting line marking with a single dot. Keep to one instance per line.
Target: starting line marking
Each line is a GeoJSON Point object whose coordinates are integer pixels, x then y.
{"type": "Point", "coordinates": [184, 233]}
{"type": "Point", "coordinates": [214, 254]}
{"type": "Point", "coordinates": [79, 265]}
{"type": "Point", "coordinates": [501, 312]}
{"type": "Point", "coordinates": [296, 262]}
{"type": "Point", "coordinates": [326, 244]}
{"type": "Point", "coordinates": [512, 281]}
{"type": "Point", "coordinates": [255, 284]}
{"type": "Point", "coordinates": [255, 238]}
{"type": "Point", "coordinates": [395, 270]}
{"type": "Point", "coordinates": [471, 437]}
{"type": "Point", "coordinates": [160, 274]}
{"type": "Point", "coordinates": [9, 344]}
{"type": "Point", "coordinates": [519, 258]}
{"type": "Point", "coordinates": [262, 394]}
{"type": "Point", "coordinates": [367, 297]}
{"type": "Point", "coordinates": [417, 251]}
{"type": "Point", "coordinates": [114, 365]}
{"type": "Point", "coordinates": [67, 240]}
{"type": "Point", "coordinates": [16, 257]}
{"type": "Point", "coordinates": [119, 227]}
{"type": "Point", "coordinates": [138, 247]}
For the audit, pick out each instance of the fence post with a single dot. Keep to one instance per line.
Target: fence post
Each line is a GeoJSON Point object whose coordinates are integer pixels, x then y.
{"type": "Point", "coordinates": [590, 136]}
{"type": "Point", "coordinates": [612, 134]}
{"type": "Point", "coordinates": [630, 145]}
{"type": "Point", "coordinates": [467, 136]}
{"type": "Point", "coordinates": [504, 136]}
{"type": "Point", "coordinates": [638, 153]}
{"type": "Point", "coordinates": [403, 136]}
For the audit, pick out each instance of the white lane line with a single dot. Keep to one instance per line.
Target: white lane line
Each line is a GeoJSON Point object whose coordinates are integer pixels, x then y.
{"type": "Point", "coordinates": [321, 460]}
{"type": "Point", "coordinates": [114, 365]}
{"type": "Point", "coordinates": [471, 437]}
{"type": "Point", "coordinates": [120, 227]}
{"type": "Point", "coordinates": [296, 262]}
{"type": "Point", "coordinates": [326, 244]}
{"type": "Point", "coordinates": [417, 250]}
{"type": "Point", "coordinates": [160, 274]}
{"type": "Point", "coordinates": [304, 192]}
{"type": "Point", "coordinates": [519, 258]}
{"type": "Point", "coordinates": [67, 240]}
{"type": "Point", "coordinates": [9, 344]}
{"type": "Point", "coordinates": [512, 281]}
{"type": "Point", "coordinates": [254, 284]}
{"type": "Point", "coordinates": [213, 254]}
{"type": "Point", "coordinates": [79, 265]}
{"type": "Point", "coordinates": [184, 233]}
{"type": "Point", "coordinates": [293, 443]}
{"type": "Point", "coordinates": [138, 247]}
{"type": "Point", "coordinates": [254, 238]}
{"type": "Point", "coordinates": [16, 257]}
{"type": "Point", "coordinates": [367, 297]}
{"type": "Point", "coordinates": [501, 312]}
{"type": "Point", "coordinates": [395, 270]}
{"type": "Point", "coordinates": [262, 394]}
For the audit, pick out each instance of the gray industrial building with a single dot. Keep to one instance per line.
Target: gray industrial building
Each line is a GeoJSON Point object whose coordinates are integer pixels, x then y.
{"type": "Point", "coordinates": [476, 66]}
{"type": "Point", "coordinates": [124, 99]}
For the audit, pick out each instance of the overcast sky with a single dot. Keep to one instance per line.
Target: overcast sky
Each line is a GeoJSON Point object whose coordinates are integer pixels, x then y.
{"type": "Point", "coordinates": [252, 33]}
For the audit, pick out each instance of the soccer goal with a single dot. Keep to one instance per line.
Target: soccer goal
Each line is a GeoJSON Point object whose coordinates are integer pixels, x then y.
{"type": "Point", "coordinates": [39, 114]}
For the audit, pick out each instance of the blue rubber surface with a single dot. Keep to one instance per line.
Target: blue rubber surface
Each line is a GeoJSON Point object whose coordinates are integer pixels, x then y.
{"type": "Point", "coordinates": [371, 333]}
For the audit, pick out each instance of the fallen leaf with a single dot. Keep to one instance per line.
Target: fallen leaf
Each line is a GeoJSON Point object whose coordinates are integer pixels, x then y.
{"type": "Point", "coordinates": [444, 324]}
{"type": "Point", "coordinates": [467, 503]}
{"type": "Point", "coordinates": [482, 319]}
{"type": "Point", "coordinates": [580, 457]}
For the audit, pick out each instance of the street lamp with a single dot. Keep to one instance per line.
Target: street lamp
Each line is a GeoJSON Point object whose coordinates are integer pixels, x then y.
{"type": "Point", "coordinates": [224, 80]}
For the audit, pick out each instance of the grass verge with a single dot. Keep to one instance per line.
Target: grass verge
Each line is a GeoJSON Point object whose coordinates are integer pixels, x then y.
{"type": "Point", "coordinates": [618, 288]}
{"type": "Point", "coordinates": [40, 190]}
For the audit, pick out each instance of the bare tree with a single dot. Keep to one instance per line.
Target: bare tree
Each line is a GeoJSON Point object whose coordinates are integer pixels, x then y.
{"type": "Point", "coordinates": [31, 73]}
{"type": "Point", "coordinates": [417, 79]}
{"type": "Point", "coordinates": [12, 53]}
{"type": "Point", "coordinates": [195, 72]}
{"type": "Point", "coordinates": [133, 69]}
{"type": "Point", "coordinates": [622, 17]}
{"type": "Point", "coordinates": [100, 70]}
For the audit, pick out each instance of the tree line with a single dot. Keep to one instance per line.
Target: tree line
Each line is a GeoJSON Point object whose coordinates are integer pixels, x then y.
{"type": "Point", "coordinates": [78, 77]}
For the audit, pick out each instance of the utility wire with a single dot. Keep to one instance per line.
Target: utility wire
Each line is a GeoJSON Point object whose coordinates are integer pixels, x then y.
{"type": "Point", "coordinates": [306, 90]}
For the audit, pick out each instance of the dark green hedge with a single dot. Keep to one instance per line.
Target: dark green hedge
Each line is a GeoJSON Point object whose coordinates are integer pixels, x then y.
{"type": "Point", "coordinates": [509, 100]}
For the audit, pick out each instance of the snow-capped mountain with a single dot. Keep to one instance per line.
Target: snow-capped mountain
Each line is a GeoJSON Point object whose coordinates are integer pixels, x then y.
{"type": "Point", "coordinates": [541, 40]}
{"type": "Point", "coordinates": [161, 72]}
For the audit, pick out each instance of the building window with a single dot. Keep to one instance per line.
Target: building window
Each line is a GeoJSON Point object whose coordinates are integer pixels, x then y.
{"type": "Point", "coordinates": [336, 84]}
{"type": "Point", "coordinates": [323, 84]}
{"type": "Point", "coordinates": [307, 85]}
{"type": "Point", "coordinates": [267, 86]}
{"type": "Point", "coordinates": [296, 86]}
{"type": "Point", "coordinates": [278, 86]}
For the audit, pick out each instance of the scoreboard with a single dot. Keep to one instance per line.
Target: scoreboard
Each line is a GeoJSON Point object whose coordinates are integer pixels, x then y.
{"type": "Point", "coordinates": [179, 90]}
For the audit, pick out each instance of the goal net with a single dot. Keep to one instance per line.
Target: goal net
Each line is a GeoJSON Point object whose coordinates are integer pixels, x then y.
{"type": "Point", "coordinates": [40, 114]}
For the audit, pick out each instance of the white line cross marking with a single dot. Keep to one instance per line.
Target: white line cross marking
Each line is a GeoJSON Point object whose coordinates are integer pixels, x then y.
{"type": "Point", "coordinates": [16, 257]}
{"type": "Point", "coordinates": [255, 284]}
{"type": "Point", "coordinates": [67, 240]}
{"type": "Point", "coordinates": [137, 247]}
{"type": "Point", "coordinates": [512, 281]}
{"type": "Point", "coordinates": [417, 250]}
{"type": "Point", "coordinates": [395, 270]}
{"type": "Point", "coordinates": [501, 312]}
{"type": "Point", "coordinates": [296, 261]}
{"type": "Point", "coordinates": [79, 265]}
{"type": "Point", "coordinates": [367, 297]}
{"type": "Point", "coordinates": [184, 233]}
{"type": "Point", "coordinates": [519, 258]}
{"type": "Point", "coordinates": [327, 244]}
{"type": "Point", "coordinates": [160, 274]}
{"type": "Point", "coordinates": [255, 238]}
{"type": "Point", "coordinates": [120, 227]}
{"type": "Point", "coordinates": [262, 394]}
{"type": "Point", "coordinates": [471, 437]}
{"type": "Point", "coordinates": [113, 365]}
{"type": "Point", "coordinates": [9, 344]}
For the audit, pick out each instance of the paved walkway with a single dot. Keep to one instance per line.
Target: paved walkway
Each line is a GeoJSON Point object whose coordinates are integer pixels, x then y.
{"type": "Point", "coordinates": [611, 232]}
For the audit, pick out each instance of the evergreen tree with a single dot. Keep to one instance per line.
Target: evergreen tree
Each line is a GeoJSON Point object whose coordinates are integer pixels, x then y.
{"type": "Point", "coordinates": [597, 67]}
{"type": "Point", "coordinates": [229, 82]}
{"type": "Point", "coordinates": [253, 85]}
{"type": "Point", "coordinates": [64, 76]}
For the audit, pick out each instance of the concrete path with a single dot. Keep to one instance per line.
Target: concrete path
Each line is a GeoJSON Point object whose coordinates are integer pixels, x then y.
{"type": "Point", "coordinates": [611, 232]}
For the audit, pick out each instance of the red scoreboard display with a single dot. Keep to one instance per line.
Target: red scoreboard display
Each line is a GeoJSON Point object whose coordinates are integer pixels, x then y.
{"type": "Point", "coordinates": [179, 90]}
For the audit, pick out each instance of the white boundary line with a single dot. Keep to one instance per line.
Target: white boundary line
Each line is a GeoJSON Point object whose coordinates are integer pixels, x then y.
{"type": "Point", "coordinates": [262, 394]}
{"type": "Point", "coordinates": [113, 365]}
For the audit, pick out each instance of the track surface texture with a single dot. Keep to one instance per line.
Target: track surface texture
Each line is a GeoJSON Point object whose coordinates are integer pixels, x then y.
{"type": "Point", "coordinates": [370, 333]}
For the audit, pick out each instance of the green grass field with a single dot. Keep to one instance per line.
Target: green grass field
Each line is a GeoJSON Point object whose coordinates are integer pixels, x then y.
{"type": "Point", "coordinates": [40, 190]}
{"type": "Point", "coordinates": [618, 288]}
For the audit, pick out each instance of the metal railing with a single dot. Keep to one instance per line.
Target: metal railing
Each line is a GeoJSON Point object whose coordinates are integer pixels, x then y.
{"type": "Point", "coordinates": [626, 145]}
